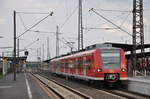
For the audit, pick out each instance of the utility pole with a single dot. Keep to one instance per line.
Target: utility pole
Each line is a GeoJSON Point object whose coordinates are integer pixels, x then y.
{"type": "Point", "coordinates": [138, 36]}
{"type": "Point", "coordinates": [57, 41]}
{"type": "Point", "coordinates": [18, 47]}
{"type": "Point", "coordinates": [43, 52]}
{"type": "Point", "coordinates": [18, 60]}
{"type": "Point", "coordinates": [40, 54]}
{"type": "Point", "coordinates": [14, 59]}
{"type": "Point", "coordinates": [80, 28]}
{"type": "Point", "coordinates": [48, 51]}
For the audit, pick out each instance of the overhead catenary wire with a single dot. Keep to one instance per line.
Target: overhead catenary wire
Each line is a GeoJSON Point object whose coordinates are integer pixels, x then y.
{"type": "Point", "coordinates": [126, 11]}
{"type": "Point", "coordinates": [68, 17]}
{"type": "Point", "coordinates": [31, 43]}
{"type": "Point", "coordinates": [106, 22]}
{"type": "Point", "coordinates": [124, 20]}
{"type": "Point", "coordinates": [67, 43]}
{"type": "Point", "coordinates": [61, 39]}
{"type": "Point", "coordinates": [22, 21]}
{"type": "Point", "coordinates": [36, 24]}
{"type": "Point", "coordinates": [40, 21]}
{"type": "Point", "coordinates": [110, 22]}
{"type": "Point", "coordinates": [107, 28]}
{"type": "Point", "coordinates": [32, 12]}
{"type": "Point", "coordinates": [37, 31]}
{"type": "Point", "coordinates": [113, 10]}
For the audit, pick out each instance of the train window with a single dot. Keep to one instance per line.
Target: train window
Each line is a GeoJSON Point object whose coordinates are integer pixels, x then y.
{"type": "Point", "coordinates": [62, 64]}
{"type": "Point", "coordinates": [87, 64]}
{"type": "Point", "coordinates": [80, 64]}
{"type": "Point", "coordinates": [71, 64]}
{"type": "Point", "coordinates": [111, 59]}
{"type": "Point", "coordinates": [76, 64]}
{"type": "Point", "coordinates": [66, 64]}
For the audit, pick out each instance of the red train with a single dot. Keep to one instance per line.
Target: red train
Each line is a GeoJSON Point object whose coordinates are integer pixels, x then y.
{"type": "Point", "coordinates": [100, 62]}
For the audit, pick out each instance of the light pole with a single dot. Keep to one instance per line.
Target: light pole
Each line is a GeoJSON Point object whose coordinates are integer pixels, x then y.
{"type": "Point", "coordinates": [14, 55]}
{"type": "Point", "coordinates": [14, 59]}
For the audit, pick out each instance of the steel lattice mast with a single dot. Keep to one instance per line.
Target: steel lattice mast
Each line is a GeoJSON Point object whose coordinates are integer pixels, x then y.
{"type": "Point", "coordinates": [138, 34]}
{"type": "Point", "coordinates": [80, 29]}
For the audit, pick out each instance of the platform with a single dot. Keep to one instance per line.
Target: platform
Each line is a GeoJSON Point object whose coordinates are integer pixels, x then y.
{"type": "Point", "coordinates": [139, 84]}
{"type": "Point", "coordinates": [25, 87]}
{"type": "Point", "coordinates": [140, 79]}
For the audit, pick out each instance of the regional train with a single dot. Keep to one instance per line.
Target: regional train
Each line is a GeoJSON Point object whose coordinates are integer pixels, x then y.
{"type": "Point", "coordinates": [99, 62]}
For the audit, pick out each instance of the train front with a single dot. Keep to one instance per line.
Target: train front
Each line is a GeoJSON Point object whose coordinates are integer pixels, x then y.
{"type": "Point", "coordinates": [114, 67]}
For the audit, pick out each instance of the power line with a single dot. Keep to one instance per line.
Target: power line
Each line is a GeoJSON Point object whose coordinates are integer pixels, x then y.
{"type": "Point", "coordinates": [47, 32]}
{"type": "Point", "coordinates": [110, 22]}
{"type": "Point", "coordinates": [107, 22]}
{"type": "Point", "coordinates": [68, 17]}
{"type": "Point", "coordinates": [35, 24]}
{"type": "Point", "coordinates": [107, 10]}
{"type": "Point", "coordinates": [124, 20]}
{"type": "Point", "coordinates": [36, 31]}
{"type": "Point", "coordinates": [54, 34]}
{"type": "Point", "coordinates": [31, 43]}
{"type": "Point", "coordinates": [108, 28]}
{"type": "Point", "coordinates": [33, 12]}
{"type": "Point", "coordinates": [66, 43]}
{"type": "Point", "coordinates": [22, 22]}
{"type": "Point", "coordinates": [113, 10]}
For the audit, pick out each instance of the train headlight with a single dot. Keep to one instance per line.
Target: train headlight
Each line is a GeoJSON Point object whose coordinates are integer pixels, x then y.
{"type": "Point", "coordinates": [99, 70]}
{"type": "Point", "coordinates": [123, 70]}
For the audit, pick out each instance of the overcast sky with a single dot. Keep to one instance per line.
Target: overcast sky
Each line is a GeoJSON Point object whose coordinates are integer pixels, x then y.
{"type": "Point", "coordinates": [62, 10]}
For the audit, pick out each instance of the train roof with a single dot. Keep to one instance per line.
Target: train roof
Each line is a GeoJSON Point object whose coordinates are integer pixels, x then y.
{"type": "Point", "coordinates": [87, 50]}
{"type": "Point", "coordinates": [75, 54]}
{"type": "Point", "coordinates": [125, 47]}
{"type": "Point", "coordinates": [101, 46]}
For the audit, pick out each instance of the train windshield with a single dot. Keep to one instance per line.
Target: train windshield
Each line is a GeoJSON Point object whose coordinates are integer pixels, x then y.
{"type": "Point", "coordinates": [111, 59]}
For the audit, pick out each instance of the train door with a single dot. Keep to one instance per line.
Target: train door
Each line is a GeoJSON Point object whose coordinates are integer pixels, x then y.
{"type": "Point", "coordinates": [80, 66]}
{"type": "Point", "coordinates": [71, 66]}
{"type": "Point", "coordinates": [84, 66]}
{"type": "Point", "coordinates": [76, 66]}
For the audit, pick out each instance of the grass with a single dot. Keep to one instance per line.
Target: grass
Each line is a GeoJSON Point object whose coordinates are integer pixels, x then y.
{"type": "Point", "coordinates": [1, 76]}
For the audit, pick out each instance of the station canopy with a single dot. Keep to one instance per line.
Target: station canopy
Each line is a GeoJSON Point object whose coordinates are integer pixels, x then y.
{"type": "Point", "coordinates": [17, 58]}
{"type": "Point", "coordinates": [125, 47]}
{"type": "Point", "coordinates": [129, 47]}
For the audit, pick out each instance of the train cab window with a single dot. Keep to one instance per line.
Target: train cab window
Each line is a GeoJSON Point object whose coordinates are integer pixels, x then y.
{"type": "Point", "coordinates": [111, 59]}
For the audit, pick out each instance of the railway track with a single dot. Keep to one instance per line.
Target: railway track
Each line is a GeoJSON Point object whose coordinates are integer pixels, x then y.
{"type": "Point", "coordinates": [62, 91]}
{"type": "Point", "coordinates": [126, 94]}
{"type": "Point", "coordinates": [115, 94]}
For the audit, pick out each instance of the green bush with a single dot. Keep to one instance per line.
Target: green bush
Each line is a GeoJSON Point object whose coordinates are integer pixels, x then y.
{"type": "Point", "coordinates": [1, 75]}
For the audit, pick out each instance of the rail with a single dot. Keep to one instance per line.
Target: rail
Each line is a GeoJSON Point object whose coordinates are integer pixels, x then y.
{"type": "Point", "coordinates": [64, 92]}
